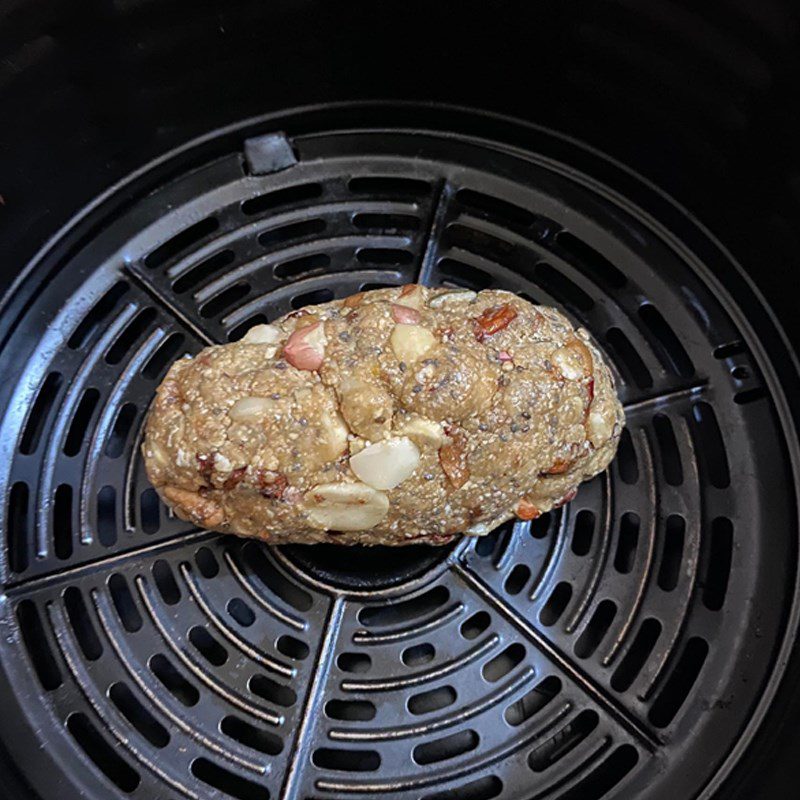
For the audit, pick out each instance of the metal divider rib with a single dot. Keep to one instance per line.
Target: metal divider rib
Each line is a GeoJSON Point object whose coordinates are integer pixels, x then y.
{"type": "Point", "coordinates": [618, 713]}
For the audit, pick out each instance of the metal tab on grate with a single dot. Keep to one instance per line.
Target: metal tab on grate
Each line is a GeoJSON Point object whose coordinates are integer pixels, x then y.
{"type": "Point", "coordinates": [617, 647]}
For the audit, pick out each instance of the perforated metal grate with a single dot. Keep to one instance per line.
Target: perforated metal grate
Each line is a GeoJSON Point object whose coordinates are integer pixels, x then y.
{"type": "Point", "coordinates": [618, 647]}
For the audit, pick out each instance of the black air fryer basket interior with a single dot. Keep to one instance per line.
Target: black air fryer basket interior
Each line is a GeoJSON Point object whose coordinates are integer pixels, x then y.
{"type": "Point", "coordinates": [637, 643]}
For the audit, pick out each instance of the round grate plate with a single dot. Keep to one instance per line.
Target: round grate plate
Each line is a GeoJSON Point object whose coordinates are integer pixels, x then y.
{"type": "Point", "coordinates": [620, 647]}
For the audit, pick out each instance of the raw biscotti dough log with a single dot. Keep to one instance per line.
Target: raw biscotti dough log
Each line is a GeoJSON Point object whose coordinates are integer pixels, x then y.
{"type": "Point", "coordinates": [394, 416]}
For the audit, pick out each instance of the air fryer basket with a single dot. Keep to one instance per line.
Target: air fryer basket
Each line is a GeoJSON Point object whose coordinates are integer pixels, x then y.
{"type": "Point", "coordinates": [626, 645]}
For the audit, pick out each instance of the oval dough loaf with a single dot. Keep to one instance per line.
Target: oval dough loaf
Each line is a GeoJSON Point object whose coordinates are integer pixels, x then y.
{"type": "Point", "coordinates": [393, 416]}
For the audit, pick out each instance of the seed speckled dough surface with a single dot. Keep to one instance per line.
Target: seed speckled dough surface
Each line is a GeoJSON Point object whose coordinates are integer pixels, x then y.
{"type": "Point", "coordinates": [394, 416]}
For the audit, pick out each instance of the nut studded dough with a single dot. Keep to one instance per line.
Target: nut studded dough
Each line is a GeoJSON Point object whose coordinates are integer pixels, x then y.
{"type": "Point", "coordinates": [395, 416]}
